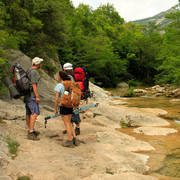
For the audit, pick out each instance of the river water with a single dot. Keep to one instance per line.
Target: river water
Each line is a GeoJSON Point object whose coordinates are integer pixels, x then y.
{"type": "Point", "coordinates": [164, 162]}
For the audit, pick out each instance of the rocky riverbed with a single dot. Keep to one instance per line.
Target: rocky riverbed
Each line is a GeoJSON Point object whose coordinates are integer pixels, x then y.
{"type": "Point", "coordinates": [104, 152]}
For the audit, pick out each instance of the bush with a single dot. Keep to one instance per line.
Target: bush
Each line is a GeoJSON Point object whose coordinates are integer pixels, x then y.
{"type": "Point", "coordinates": [131, 92]}
{"type": "Point", "coordinates": [133, 82]}
{"type": "Point", "coordinates": [124, 125]}
{"type": "Point", "coordinates": [49, 68]}
{"type": "Point", "coordinates": [2, 75]}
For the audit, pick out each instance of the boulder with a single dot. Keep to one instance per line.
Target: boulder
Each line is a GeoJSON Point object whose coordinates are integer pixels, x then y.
{"type": "Point", "coordinates": [122, 85]}
{"type": "Point", "coordinates": [99, 94]}
{"type": "Point", "coordinates": [140, 91]}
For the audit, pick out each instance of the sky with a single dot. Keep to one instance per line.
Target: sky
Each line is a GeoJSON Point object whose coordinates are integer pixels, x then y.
{"type": "Point", "coordinates": [132, 9]}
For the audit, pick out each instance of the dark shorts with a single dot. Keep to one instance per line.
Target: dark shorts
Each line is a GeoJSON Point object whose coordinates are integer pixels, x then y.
{"type": "Point", "coordinates": [31, 106]}
{"type": "Point", "coordinates": [75, 118]}
{"type": "Point", "coordinates": [65, 110]}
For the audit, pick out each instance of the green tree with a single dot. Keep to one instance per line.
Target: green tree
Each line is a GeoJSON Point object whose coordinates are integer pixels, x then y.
{"type": "Point", "coordinates": [169, 56]}
{"type": "Point", "coordinates": [90, 43]}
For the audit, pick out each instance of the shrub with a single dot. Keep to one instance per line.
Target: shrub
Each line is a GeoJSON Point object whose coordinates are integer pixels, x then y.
{"type": "Point", "coordinates": [124, 125]}
{"type": "Point", "coordinates": [131, 92]}
{"type": "Point", "coordinates": [133, 82]}
{"type": "Point", "coordinates": [49, 68]}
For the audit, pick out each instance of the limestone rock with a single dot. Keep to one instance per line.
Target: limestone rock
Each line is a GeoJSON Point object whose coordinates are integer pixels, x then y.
{"type": "Point", "coordinates": [154, 131]}
{"type": "Point", "coordinates": [123, 142]}
{"type": "Point", "coordinates": [143, 120]}
{"type": "Point", "coordinates": [175, 100]}
{"type": "Point", "coordinates": [123, 85]}
{"type": "Point", "coordinates": [140, 91]}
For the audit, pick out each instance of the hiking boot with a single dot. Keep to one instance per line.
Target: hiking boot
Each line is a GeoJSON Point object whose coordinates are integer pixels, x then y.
{"type": "Point", "coordinates": [68, 143]}
{"type": "Point", "coordinates": [64, 132]}
{"type": "Point", "coordinates": [76, 141]}
{"type": "Point", "coordinates": [77, 131]}
{"type": "Point", "coordinates": [37, 133]}
{"type": "Point", "coordinates": [33, 136]}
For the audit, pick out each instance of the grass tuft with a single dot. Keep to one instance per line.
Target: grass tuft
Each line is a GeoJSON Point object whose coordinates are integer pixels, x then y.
{"type": "Point", "coordinates": [24, 178]}
{"type": "Point", "coordinates": [13, 146]}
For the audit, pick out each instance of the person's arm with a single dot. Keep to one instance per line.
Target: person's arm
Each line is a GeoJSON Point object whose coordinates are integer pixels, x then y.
{"type": "Point", "coordinates": [56, 103]}
{"type": "Point", "coordinates": [34, 86]}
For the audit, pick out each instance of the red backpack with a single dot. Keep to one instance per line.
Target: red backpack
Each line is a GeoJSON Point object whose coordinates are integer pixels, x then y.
{"type": "Point", "coordinates": [79, 77]}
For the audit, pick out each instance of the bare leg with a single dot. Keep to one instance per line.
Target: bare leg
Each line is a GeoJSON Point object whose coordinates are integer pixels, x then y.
{"type": "Point", "coordinates": [32, 121]}
{"type": "Point", "coordinates": [68, 125]}
{"type": "Point", "coordinates": [72, 130]}
{"type": "Point", "coordinates": [28, 121]}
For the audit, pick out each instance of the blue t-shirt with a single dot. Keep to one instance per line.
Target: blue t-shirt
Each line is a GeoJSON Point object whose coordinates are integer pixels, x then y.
{"type": "Point", "coordinates": [60, 89]}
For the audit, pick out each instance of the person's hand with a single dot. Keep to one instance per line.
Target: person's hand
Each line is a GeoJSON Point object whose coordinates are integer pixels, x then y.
{"type": "Point", "coordinates": [37, 100]}
{"type": "Point", "coordinates": [56, 113]}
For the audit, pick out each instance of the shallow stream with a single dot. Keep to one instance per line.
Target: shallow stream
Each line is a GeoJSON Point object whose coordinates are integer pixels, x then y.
{"type": "Point", "coordinates": [164, 162]}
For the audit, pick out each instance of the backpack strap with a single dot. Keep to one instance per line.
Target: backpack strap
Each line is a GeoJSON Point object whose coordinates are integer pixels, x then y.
{"type": "Point", "coordinates": [29, 70]}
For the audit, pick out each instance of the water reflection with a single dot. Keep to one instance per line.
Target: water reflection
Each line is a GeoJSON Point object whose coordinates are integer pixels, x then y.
{"type": "Point", "coordinates": [171, 164]}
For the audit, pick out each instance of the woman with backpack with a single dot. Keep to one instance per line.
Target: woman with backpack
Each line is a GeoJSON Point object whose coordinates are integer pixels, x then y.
{"type": "Point", "coordinates": [66, 112]}
{"type": "Point", "coordinates": [68, 67]}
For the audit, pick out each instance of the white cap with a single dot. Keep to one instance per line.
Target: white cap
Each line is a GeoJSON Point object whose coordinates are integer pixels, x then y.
{"type": "Point", "coordinates": [67, 66]}
{"type": "Point", "coordinates": [37, 61]}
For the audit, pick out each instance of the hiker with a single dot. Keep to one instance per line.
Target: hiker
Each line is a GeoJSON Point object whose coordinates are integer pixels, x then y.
{"type": "Point", "coordinates": [32, 100]}
{"type": "Point", "coordinates": [65, 112]}
{"type": "Point", "coordinates": [68, 67]}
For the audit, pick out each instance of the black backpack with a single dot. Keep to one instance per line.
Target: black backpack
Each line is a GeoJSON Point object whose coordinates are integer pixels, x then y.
{"type": "Point", "coordinates": [21, 80]}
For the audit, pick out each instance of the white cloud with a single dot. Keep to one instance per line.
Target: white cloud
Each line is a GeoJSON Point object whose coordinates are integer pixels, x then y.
{"type": "Point", "coordinates": [133, 9]}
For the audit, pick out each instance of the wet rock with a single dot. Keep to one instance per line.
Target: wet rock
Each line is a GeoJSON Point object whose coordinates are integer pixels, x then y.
{"type": "Point", "coordinates": [175, 100]}
{"type": "Point", "coordinates": [171, 164]}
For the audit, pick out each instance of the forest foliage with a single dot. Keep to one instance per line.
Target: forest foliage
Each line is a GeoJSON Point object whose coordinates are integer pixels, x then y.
{"type": "Point", "coordinates": [111, 49]}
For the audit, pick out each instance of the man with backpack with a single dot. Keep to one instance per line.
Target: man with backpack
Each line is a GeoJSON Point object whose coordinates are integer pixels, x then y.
{"type": "Point", "coordinates": [32, 99]}
{"type": "Point", "coordinates": [68, 67]}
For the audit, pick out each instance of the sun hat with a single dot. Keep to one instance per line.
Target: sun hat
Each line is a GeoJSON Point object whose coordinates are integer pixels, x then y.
{"type": "Point", "coordinates": [67, 66]}
{"type": "Point", "coordinates": [37, 61]}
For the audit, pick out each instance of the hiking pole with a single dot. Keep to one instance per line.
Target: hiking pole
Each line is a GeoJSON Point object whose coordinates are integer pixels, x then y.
{"type": "Point", "coordinates": [75, 112]}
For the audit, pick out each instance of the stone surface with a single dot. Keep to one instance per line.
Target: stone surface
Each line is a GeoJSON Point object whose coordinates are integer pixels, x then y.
{"type": "Point", "coordinates": [143, 120]}
{"type": "Point", "coordinates": [158, 131]}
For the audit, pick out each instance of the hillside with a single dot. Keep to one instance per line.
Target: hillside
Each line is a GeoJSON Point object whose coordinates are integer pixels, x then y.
{"type": "Point", "coordinates": [158, 19]}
